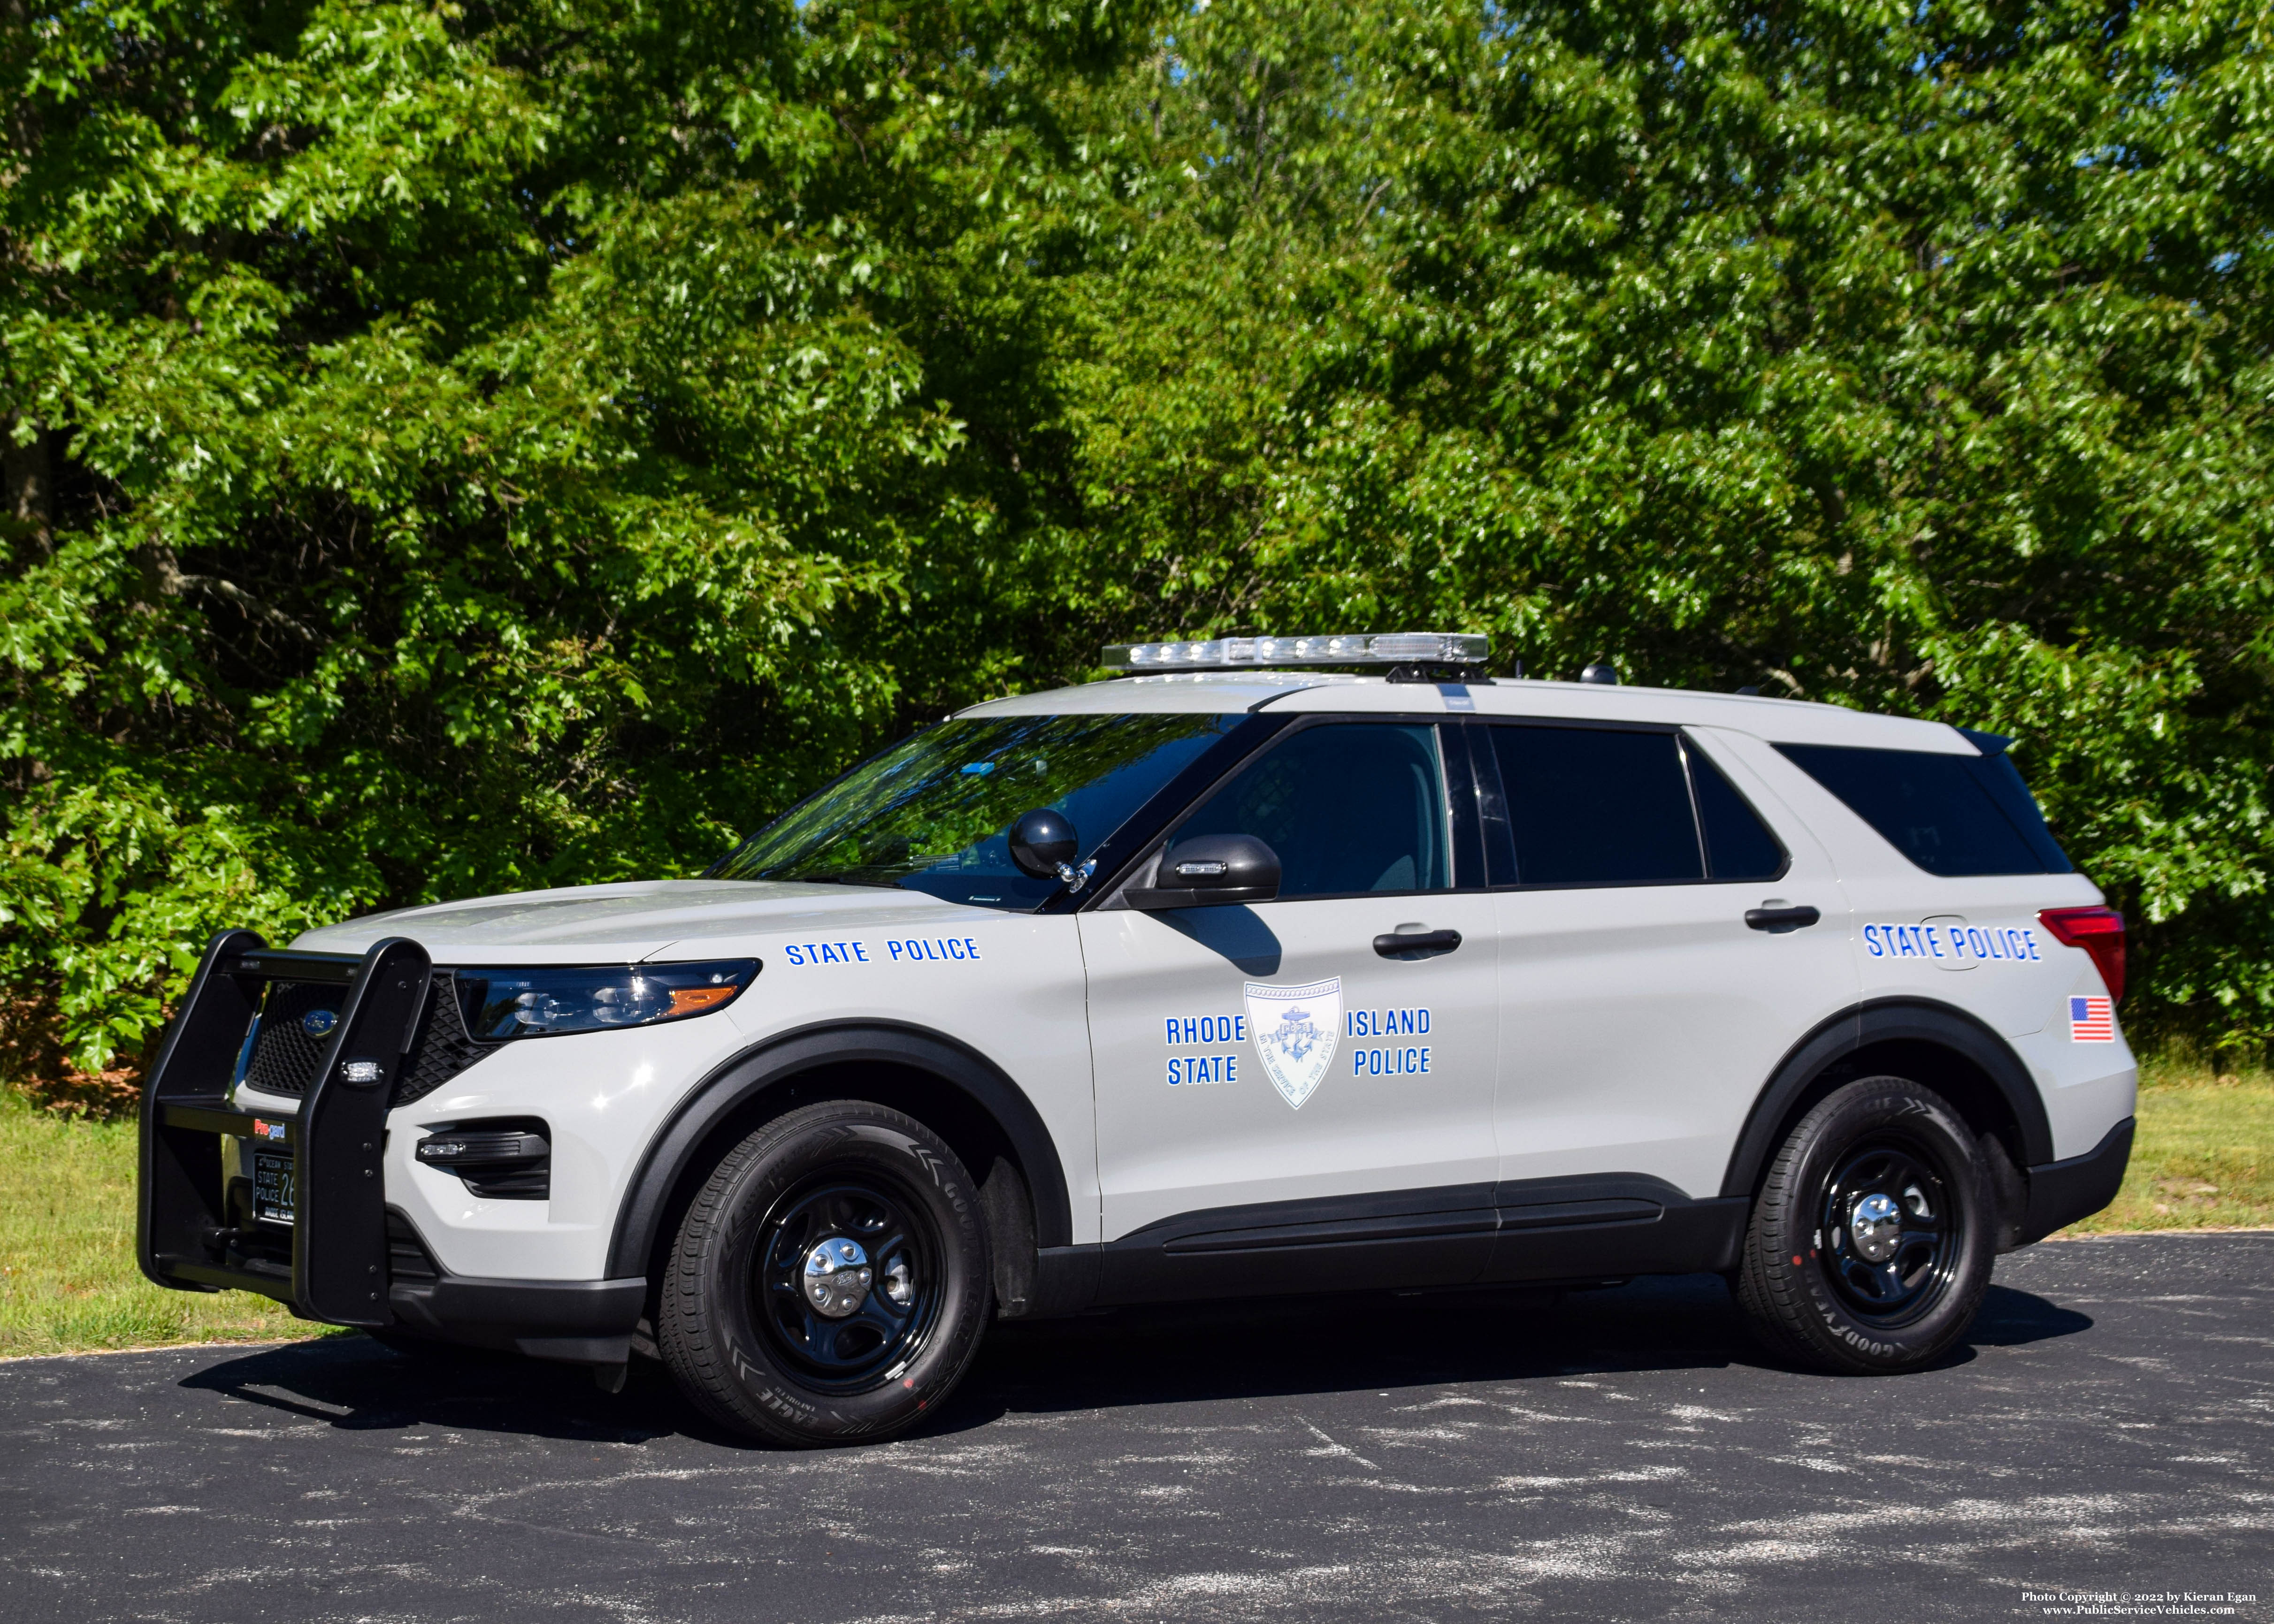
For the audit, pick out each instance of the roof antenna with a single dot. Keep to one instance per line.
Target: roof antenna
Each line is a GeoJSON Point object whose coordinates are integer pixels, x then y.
{"type": "Point", "coordinates": [1602, 672]}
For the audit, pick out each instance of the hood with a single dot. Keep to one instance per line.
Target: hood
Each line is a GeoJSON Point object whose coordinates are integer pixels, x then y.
{"type": "Point", "coordinates": [634, 921]}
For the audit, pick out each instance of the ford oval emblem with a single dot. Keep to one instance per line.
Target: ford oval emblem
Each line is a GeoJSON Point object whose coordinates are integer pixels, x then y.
{"type": "Point", "coordinates": [319, 1023]}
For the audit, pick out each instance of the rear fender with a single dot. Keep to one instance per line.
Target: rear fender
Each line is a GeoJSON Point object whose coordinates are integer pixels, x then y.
{"type": "Point", "coordinates": [1938, 1034]}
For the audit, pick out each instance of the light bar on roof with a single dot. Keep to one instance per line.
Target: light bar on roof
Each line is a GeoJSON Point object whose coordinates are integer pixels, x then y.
{"type": "Point", "coordinates": [1351, 649]}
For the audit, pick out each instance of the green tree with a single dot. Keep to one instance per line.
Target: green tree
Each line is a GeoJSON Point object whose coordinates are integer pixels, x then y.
{"type": "Point", "coordinates": [453, 449]}
{"type": "Point", "coordinates": [1904, 357]}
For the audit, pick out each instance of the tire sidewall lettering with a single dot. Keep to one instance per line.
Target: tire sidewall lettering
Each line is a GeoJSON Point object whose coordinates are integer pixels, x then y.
{"type": "Point", "coordinates": [773, 1161]}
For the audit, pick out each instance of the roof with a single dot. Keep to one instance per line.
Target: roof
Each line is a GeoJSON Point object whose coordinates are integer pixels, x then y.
{"type": "Point", "coordinates": [1781, 721]}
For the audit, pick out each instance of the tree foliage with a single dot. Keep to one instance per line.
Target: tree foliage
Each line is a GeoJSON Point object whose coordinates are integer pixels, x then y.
{"type": "Point", "coordinates": [456, 448]}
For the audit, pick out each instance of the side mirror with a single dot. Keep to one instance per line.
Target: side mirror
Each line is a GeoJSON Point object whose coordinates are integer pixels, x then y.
{"type": "Point", "coordinates": [1041, 843]}
{"type": "Point", "coordinates": [1211, 871]}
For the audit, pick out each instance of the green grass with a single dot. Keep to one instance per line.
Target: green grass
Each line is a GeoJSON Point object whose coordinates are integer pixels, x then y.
{"type": "Point", "coordinates": [2204, 1159]}
{"type": "Point", "coordinates": [68, 1281]}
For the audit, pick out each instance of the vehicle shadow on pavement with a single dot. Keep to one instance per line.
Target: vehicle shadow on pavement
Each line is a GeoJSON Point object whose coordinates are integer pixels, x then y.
{"type": "Point", "coordinates": [355, 1384]}
{"type": "Point", "coordinates": [1124, 1357]}
{"type": "Point", "coordinates": [1317, 1345]}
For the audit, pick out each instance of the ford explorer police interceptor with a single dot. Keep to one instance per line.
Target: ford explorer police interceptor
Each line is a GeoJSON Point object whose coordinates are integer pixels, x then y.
{"type": "Point", "coordinates": [1238, 974]}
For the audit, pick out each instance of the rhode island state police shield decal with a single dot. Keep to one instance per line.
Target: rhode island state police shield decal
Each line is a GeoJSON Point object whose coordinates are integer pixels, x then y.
{"type": "Point", "coordinates": [1295, 1029]}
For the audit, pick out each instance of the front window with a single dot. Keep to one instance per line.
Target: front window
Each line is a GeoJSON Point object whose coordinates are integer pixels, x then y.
{"type": "Point", "coordinates": [1349, 808]}
{"type": "Point", "coordinates": [934, 813]}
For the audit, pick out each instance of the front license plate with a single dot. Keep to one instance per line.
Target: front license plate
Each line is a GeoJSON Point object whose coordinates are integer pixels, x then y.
{"type": "Point", "coordinates": [272, 1187]}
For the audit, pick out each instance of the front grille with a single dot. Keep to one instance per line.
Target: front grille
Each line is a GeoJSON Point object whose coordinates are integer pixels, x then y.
{"type": "Point", "coordinates": [441, 1049]}
{"type": "Point", "coordinates": [286, 1054]}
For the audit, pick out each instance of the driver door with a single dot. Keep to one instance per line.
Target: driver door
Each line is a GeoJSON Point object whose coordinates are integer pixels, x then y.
{"type": "Point", "coordinates": [1285, 1099]}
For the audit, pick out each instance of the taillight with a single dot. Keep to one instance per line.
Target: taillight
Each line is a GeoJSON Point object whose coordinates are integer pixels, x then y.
{"type": "Point", "coordinates": [2098, 931]}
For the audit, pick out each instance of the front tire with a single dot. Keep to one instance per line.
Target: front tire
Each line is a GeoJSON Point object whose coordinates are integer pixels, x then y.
{"type": "Point", "coordinates": [829, 1283]}
{"type": "Point", "coordinates": [1873, 1235]}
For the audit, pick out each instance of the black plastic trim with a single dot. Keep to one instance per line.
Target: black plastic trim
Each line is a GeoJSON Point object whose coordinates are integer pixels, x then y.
{"type": "Point", "coordinates": [579, 1322]}
{"type": "Point", "coordinates": [1781, 921]}
{"type": "Point", "coordinates": [333, 1264]}
{"type": "Point", "coordinates": [282, 964]}
{"type": "Point", "coordinates": [2062, 1192]}
{"type": "Point", "coordinates": [339, 1252]}
{"type": "Point", "coordinates": [178, 1194]}
{"type": "Point", "coordinates": [1883, 1021]}
{"type": "Point", "coordinates": [1569, 1228]}
{"type": "Point", "coordinates": [781, 1059]}
{"type": "Point", "coordinates": [1416, 944]}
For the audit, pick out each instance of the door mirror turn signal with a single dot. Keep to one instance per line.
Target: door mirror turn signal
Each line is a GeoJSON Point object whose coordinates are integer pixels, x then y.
{"type": "Point", "coordinates": [1212, 871]}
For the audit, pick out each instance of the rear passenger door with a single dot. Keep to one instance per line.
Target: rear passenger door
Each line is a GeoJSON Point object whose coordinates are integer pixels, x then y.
{"type": "Point", "coordinates": [1640, 1013]}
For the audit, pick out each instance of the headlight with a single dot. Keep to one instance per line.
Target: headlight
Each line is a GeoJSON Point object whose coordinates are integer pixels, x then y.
{"type": "Point", "coordinates": [551, 1002]}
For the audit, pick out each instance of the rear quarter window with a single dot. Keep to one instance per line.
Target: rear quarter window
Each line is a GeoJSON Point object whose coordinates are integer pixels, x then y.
{"type": "Point", "coordinates": [1951, 814]}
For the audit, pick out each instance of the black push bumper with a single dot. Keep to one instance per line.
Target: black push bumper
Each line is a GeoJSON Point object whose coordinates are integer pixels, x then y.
{"type": "Point", "coordinates": [2062, 1192]}
{"type": "Point", "coordinates": [345, 1258]}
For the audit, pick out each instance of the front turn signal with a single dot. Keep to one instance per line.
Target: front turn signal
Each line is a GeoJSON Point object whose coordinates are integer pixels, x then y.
{"type": "Point", "coordinates": [2098, 931]}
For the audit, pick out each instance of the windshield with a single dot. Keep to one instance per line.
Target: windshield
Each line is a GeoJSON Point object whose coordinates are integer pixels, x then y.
{"type": "Point", "coordinates": [934, 813]}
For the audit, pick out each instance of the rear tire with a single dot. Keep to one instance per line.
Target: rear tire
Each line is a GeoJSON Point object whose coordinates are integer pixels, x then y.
{"type": "Point", "coordinates": [829, 1283]}
{"type": "Point", "coordinates": [1874, 1235]}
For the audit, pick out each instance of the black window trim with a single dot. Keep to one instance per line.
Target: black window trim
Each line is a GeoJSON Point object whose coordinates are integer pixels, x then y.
{"type": "Point", "coordinates": [1449, 729]}
{"type": "Point", "coordinates": [1485, 760]}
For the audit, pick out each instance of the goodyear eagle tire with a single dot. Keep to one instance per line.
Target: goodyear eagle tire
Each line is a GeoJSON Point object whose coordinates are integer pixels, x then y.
{"type": "Point", "coordinates": [1872, 1236]}
{"type": "Point", "coordinates": [829, 1283]}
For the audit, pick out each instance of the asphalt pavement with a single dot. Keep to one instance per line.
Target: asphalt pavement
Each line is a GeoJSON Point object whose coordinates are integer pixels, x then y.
{"type": "Point", "coordinates": [2107, 1432]}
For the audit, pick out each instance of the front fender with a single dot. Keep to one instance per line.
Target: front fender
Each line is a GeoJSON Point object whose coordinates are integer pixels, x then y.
{"type": "Point", "coordinates": [776, 1063]}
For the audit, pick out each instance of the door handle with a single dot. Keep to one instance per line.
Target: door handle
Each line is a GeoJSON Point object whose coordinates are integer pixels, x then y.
{"type": "Point", "coordinates": [1776, 921]}
{"type": "Point", "coordinates": [1417, 944]}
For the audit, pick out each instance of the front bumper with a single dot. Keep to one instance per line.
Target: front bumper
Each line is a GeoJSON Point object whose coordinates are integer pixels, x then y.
{"type": "Point", "coordinates": [580, 1321]}
{"type": "Point", "coordinates": [346, 1258]}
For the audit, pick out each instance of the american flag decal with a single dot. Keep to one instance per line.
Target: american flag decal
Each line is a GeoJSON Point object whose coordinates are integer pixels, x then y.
{"type": "Point", "coordinates": [2091, 1020]}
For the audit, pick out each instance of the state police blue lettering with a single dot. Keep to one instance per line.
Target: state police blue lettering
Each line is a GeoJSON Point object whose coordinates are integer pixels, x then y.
{"type": "Point", "coordinates": [915, 950]}
{"type": "Point", "coordinates": [826, 952]}
{"type": "Point", "coordinates": [1385, 1023]}
{"type": "Point", "coordinates": [1389, 1062]}
{"type": "Point", "coordinates": [1958, 943]}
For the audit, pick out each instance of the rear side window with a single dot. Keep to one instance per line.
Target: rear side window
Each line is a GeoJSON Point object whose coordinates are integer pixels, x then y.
{"type": "Point", "coordinates": [1594, 806]}
{"type": "Point", "coordinates": [1951, 814]}
{"type": "Point", "coordinates": [1350, 807]}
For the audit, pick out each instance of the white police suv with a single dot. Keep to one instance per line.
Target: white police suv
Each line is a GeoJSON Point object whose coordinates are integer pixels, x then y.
{"type": "Point", "coordinates": [1240, 974]}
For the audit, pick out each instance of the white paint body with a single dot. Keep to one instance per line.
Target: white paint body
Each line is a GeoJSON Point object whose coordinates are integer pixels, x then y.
{"type": "Point", "coordinates": [1590, 1030]}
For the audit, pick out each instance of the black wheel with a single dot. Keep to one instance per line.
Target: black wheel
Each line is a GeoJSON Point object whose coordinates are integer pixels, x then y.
{"type": "Point", "coordinates": [830, 1282]}
{"type": "Point", "coordinates": [1872, 1237]}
